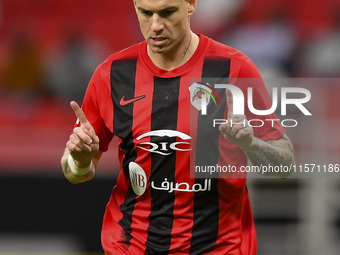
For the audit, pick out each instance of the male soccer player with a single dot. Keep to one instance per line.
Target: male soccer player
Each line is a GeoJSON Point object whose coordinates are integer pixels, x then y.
{"type": "Point", "coordinates": [141, 94]}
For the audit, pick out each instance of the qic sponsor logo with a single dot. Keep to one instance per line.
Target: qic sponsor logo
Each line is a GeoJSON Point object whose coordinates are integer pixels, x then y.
{"type": "Point", "coordinates": [164, 148]}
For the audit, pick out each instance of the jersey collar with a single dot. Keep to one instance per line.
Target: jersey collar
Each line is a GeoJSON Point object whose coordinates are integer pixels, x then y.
{"type": "Point", "coordinates": [179, 70]}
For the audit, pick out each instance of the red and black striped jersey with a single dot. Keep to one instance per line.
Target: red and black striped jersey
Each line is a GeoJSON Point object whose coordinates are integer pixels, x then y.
{"type": "Point", "coordinates": [157, 207]}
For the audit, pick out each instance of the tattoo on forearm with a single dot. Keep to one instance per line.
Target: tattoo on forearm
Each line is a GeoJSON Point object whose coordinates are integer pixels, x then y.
{"type": "Point", "coordinates": [273, 152]}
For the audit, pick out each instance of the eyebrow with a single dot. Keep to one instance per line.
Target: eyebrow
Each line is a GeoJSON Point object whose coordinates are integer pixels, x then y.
{"type": "Point", "coordinates": [165, 9]}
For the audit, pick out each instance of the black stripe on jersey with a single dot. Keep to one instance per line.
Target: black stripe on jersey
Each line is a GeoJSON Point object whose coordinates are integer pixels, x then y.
{"type": "Point", "coordinates": [206, 204]}
{"type": "Point", "coordinates": [123, 74]}
{"type": "Point", "coordinates": [164, 116]}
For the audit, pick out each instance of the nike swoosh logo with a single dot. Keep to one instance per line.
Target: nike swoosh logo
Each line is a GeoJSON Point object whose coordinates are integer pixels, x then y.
{"type": "Point", "coordinates": [125, 102]}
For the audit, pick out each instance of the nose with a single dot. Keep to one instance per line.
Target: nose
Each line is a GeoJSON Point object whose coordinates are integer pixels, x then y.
{"type": "Point", "coordinates": [156, 23]}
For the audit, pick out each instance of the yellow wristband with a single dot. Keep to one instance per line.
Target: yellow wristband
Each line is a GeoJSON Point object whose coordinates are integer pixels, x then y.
{"type": "Point", "coordinates": [77, 170]}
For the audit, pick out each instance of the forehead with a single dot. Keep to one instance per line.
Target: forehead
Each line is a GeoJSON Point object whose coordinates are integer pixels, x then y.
{"type": "Point", "coordinates": [159, 4]}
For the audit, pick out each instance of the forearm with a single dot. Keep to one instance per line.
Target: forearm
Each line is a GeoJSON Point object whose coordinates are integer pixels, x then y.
{"type": "Point", "coordinates": [75, 179]}
{"type": "Point", "coordinates": [272, 153]}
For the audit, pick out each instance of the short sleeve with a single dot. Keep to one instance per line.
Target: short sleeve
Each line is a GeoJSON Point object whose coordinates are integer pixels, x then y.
{"type": "Point", "coordinates": [98, 109]}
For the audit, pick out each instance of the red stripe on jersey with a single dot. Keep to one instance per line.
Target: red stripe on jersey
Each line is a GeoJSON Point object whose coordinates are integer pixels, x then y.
{"type": "Point", "coordinates": [113, 236]}
{"type": "Point", "coordinates": [141, 125]}
{"type": "Point", "coordinates": [183, 210]}
{"type": "Point", "coordinates": [113, 214]}
{"type": "Point", "coordinates": [98, 107]}
{"type": "Point", "coordinates": [122, 81]}
{"type": "Point", "coordinates": [237, 236]}
{"type": "Point", "coordinates": [249, 240]}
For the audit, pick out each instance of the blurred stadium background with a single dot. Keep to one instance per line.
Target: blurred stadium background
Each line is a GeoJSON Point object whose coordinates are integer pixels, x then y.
{"type": "Point", "coordinates": [48, 52]}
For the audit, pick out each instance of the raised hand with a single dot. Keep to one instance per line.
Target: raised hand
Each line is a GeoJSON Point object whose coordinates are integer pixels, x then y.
{"type": "Point", "coordinates": [237, 129]}
{"type": "Point", "coordinates": [83, 143]}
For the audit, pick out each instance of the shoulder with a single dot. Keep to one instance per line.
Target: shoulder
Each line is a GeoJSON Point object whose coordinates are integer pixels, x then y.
{"type": "Point", "coordinates": [241, 65]}
{"type": "Point", "coordinates": [217, 49]}
{"type": "Point", "coordinates": [128, 53]}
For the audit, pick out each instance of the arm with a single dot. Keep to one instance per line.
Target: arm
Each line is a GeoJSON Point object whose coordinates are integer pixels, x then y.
{"type": "Point", "coordinates": [82, 150]}
{"type": "Point", "coordinates": [272, 153]}
{"type": "Point", "coordinates": [75, 179]}
{"type": "Point", "coordinates": [266, 153]}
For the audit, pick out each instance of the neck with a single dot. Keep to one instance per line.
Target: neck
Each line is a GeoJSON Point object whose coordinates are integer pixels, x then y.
{"type": "Point", "coordinates": [177, 57]}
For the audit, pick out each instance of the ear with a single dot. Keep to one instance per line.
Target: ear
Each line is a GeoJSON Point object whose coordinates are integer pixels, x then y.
{"type": "Point", "coordinates": [135, 4]}
{"type": "Point", "coordinates": [192, 7]}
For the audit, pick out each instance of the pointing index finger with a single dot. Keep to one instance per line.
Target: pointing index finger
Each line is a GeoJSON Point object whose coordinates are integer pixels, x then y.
{"type": "Point", "coordinates": [230, 102]}
{"type": "Point", "coordinates": [79, 113]}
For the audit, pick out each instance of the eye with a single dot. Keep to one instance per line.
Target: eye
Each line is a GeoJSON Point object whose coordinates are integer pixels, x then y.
{"type": "Point", "coordinates": [167, 13]}
{"type": "Point", "coordinates": [146, 13]}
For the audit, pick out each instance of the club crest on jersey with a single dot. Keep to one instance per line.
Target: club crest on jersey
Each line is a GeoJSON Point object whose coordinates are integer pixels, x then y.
{"type": "Point", "coordinates": [200, 96]}
{"type": "Point", "coordinates": [138, 178]}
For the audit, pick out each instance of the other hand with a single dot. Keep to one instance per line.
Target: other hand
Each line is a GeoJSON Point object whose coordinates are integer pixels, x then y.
{"type": "Point", "coordinates": [237, 129]}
